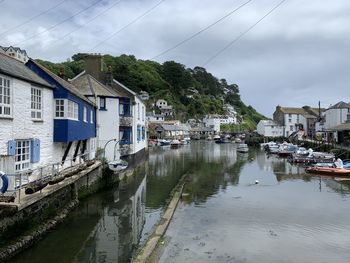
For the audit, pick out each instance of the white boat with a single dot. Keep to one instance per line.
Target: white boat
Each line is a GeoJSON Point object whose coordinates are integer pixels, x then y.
{"type": "Point", "coordinates": [209, 138]}
{"type": "Point", "coordinates": [238, 140]}
{"type": "Point", "coordinates": [216, 137]}
{"type": "Point", "coordinates": [175, 143]}
{"type": "Point", "coordinates": [242, 148]}
{"type": "Point", "coordinates": [118, 165]}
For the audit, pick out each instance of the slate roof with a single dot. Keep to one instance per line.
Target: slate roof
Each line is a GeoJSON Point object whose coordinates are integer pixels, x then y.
{"type": "Point", "coordinates": [307, 112]}
{"type": "Point", "coordinates": [14, 68]}
{"type": "Point", "coordinates": [89, 86]}
{"type": "Point", "coordinates": [68, 86]}
{"type": "Point", "coordinates": [340, 105]}
{"type": "Point", "coordinates": [168, 127]}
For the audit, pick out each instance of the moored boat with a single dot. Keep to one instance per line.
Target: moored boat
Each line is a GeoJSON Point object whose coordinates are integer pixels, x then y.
{"type": "Point", "coordinates": [118, 165]}
{"type": "Point", "coordinates": [175, 143]}
{"type": "Point", "coordinates": [333, 171]}
{"type": "Point", "coordinates": [242, 148]}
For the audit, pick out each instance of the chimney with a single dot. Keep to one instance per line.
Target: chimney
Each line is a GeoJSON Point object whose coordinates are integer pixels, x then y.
{"type": "Point", "coordinates": [61, 73]}
{"type": "Point", "coordinates": [109, 76]}
{"type": "Point", "coordinates": [93, 66]}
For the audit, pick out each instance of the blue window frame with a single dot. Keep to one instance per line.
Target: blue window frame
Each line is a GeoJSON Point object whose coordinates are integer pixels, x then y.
{"type": "Point", "coordinates": [125, 107]}
{"type": "Point", "coordinates": [138, 133]}
{"type": "Point", "coordinates": [143, 133]}
{"type": "Point", "coordinates": [125, 135]}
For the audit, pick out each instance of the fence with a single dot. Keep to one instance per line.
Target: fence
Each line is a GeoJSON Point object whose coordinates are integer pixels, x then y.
{"type": "Point", "coordinates": [20, 180]}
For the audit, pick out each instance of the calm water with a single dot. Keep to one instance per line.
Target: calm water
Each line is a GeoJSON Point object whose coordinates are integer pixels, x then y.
{"type": "Point", "coordinates": [287, 217]}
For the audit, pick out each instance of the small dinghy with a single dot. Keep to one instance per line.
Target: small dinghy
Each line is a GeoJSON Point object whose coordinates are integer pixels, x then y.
{"type": "Point", "coordinates": [118, 165]}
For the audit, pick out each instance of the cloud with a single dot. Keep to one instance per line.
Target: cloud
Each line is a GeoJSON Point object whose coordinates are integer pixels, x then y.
{"type": "Point", "coordinates": [296, 56]}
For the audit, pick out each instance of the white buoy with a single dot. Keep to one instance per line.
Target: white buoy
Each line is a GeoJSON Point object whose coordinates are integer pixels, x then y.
{"type": "Point", "coordinates": [256, 181]}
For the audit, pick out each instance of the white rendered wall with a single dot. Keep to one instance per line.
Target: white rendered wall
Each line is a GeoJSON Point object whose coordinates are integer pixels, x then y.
{"type": "Point", "coordinates": [139, 119]}
{"type": "Point", "coordinates": [335, 117]}
{"type": "Point", "coordinates": [23, 127]}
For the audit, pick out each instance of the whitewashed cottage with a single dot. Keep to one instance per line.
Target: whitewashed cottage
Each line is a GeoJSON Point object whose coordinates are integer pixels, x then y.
{"type": "Point", "coordinates": [26, 119]}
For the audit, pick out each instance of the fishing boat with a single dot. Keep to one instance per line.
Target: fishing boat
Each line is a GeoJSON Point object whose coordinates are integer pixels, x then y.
{"type": "Point", "coordinates": [242, 148]}
{"type": "Point", "coordinates": [118, 165]}
{"type": "Point", "coordinates": [164, 142]}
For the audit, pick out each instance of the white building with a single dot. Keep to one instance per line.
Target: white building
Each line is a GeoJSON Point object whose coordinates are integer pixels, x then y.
{"type": "Point", "coordinates": [152, 117]}
{"type": "Point", "coordinates": [26, 120]}
{"type": "Point", "coordinates": [131, 111]}
{"type": "Point", "coordinates": [269, 128]}
{"type": "Point", "coordinates": [337, 114]}
{"type": "Point", "coordinates": [144, 95]}
{"type": "Point", "coordinates": [107, 100]}
{"type": "Point", "coordinates": [165, 109]}
{"type": "Point", "coordinates": [15, 52]}
{"type": "Point", "coordinates": [213, 122]}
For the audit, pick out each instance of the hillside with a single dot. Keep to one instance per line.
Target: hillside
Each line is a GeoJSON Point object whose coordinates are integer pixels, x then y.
{"type": "Point", "coordinates": [192, 92]}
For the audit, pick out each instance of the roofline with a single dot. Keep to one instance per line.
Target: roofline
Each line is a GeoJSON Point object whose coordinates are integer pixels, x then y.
{"type": "Point", "coordinates": [27, 80]}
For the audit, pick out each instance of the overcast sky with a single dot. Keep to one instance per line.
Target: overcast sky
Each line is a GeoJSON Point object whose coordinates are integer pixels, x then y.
{"type": "Point", "coordinates": [296, 56]}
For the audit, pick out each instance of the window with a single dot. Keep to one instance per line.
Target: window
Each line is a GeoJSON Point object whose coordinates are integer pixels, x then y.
{"type": "Point", "coordinates": [138, 133]}
{"type": "Point", "coordinates": [102, 103]}
{"type": "Point", "coordinates": [36, 103]}
{"type": "Point", "coordinates": [91, 116]}
{"type": "Point", "coordinates": [5, 97]}
{"type": "Point", "coordinates": [290, 115]}
{"type": "Point", "coordinates": [290, 120]}
{"type": "Point", "coordinates": [85, 114]}
{"type": "Point", "coordinates": [125, 135]}
{"type": "Point", "coordinates": [143, 133]}
{"type": "Point", "coordinates": [59, 108]}
{"type": "Point", "coordinates": [291, 127]}
{"type": "Point", "coordinates": [22, 158]}
{"type": "Point", "coordinates": [124, 107]}
{"type": "Point", "coordinates": [73, 110]}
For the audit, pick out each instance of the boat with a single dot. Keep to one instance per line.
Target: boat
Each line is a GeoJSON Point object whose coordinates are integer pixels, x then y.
{"type": "Point", "coordinates": [175, 143]}
{"type": "Point", "coordinates": [118, 165]}
{"type": "Point", "coordinates": [242, 148]}
{"type": "Point", "coordinates": [209, 138]}
{"type": "Point", "coordinates": [333, 171]}
{"type": "Point", "coordinates": [164, 142]}
{"type": "Point", "coordinates": [285, 152]}
{"type": "Point", "coordinates": [216, 137]}
{"type": "Point", "coordinates": [238, 140]}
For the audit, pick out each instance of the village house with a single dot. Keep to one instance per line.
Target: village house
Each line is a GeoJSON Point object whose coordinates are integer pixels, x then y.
{"type": "Point", "coordinates": [337, 123]}
{"type": "Point", "coordinates": [213, 122]}
{"type": "Point", "coordinates": [144, 95]}
{"type": "Point", "coordinates": [26, 121]}
{"type": "Point", "coordinates": [132, 110]}
{"type": "Point", "coordinates": [74, 119]}
{"type": "Point", "coordinates": [107, 114]}
{"type": "Point", "coordinates": [293, 120]}
{"type": "Point", "coordinates": [172, 131]}
{"type": "Point", "coordinates": [152, 117]}
{"type": "Point", "coordinates": [164, 108]}
{"type": "Point", "coordinates": [269, 128]}
{"type": "Point", "coordinates": [15, 52]}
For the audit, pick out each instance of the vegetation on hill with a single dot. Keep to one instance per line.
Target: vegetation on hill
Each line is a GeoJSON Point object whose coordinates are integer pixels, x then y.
{"type": "Point", "coordinates": [192, 92]}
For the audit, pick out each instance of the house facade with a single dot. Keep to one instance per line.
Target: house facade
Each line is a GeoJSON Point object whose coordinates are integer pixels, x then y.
{"type": "Point", "coordinates": [107, 113]}
{"type": "Point", "coordinates": [74, 119]}
{"type": "Point", "coordinates": [131, 112]}
{"type": "Point", "coordinates": [213, 122]}
{"type": "Point", "coordinates": [165, 109]}
{"type": "Point", "coordinates": [26, 114]}
{"type": "Point", "coordinates": [294, 119]}
{"type": "Point", "coordinates": [337, 114]}
{"type": "Point", "coordinates": [269, 128]}
{"type": "Point", "coordinates": [15, 52]}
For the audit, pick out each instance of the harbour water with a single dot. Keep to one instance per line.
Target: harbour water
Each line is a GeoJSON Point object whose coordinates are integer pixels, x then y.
{"type": "Point", "coordinates": [224, 217]}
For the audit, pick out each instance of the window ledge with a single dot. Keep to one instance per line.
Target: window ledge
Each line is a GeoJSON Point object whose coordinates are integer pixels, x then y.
{"type": "Point", "coordinates": [103, 109]}
{"type": "Point", "coordinates": [37, 120]}
{"type": "Point", "coordinates": [6, 117]}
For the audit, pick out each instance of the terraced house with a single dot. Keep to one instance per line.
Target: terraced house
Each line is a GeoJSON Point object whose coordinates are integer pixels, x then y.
{"type": "Point", "coordinates": [26, 120]}
{"type": "Point", "coordinates": [123, 119]}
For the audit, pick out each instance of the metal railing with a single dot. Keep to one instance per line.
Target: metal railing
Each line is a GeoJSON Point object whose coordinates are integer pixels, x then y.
{"type": "Point", "coordinates": [44, 173]}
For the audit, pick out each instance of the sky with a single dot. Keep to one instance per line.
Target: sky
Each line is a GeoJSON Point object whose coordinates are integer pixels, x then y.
{"type": "Point", "coordinates": [297, 55]}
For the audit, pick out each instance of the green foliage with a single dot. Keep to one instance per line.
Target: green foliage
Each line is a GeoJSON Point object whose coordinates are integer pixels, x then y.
{"type": "Point", "coordinates": [192, 92]}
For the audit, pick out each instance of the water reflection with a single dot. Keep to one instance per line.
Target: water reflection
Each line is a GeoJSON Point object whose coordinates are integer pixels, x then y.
{"type": "Point", "coordinates": [289, 216]}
